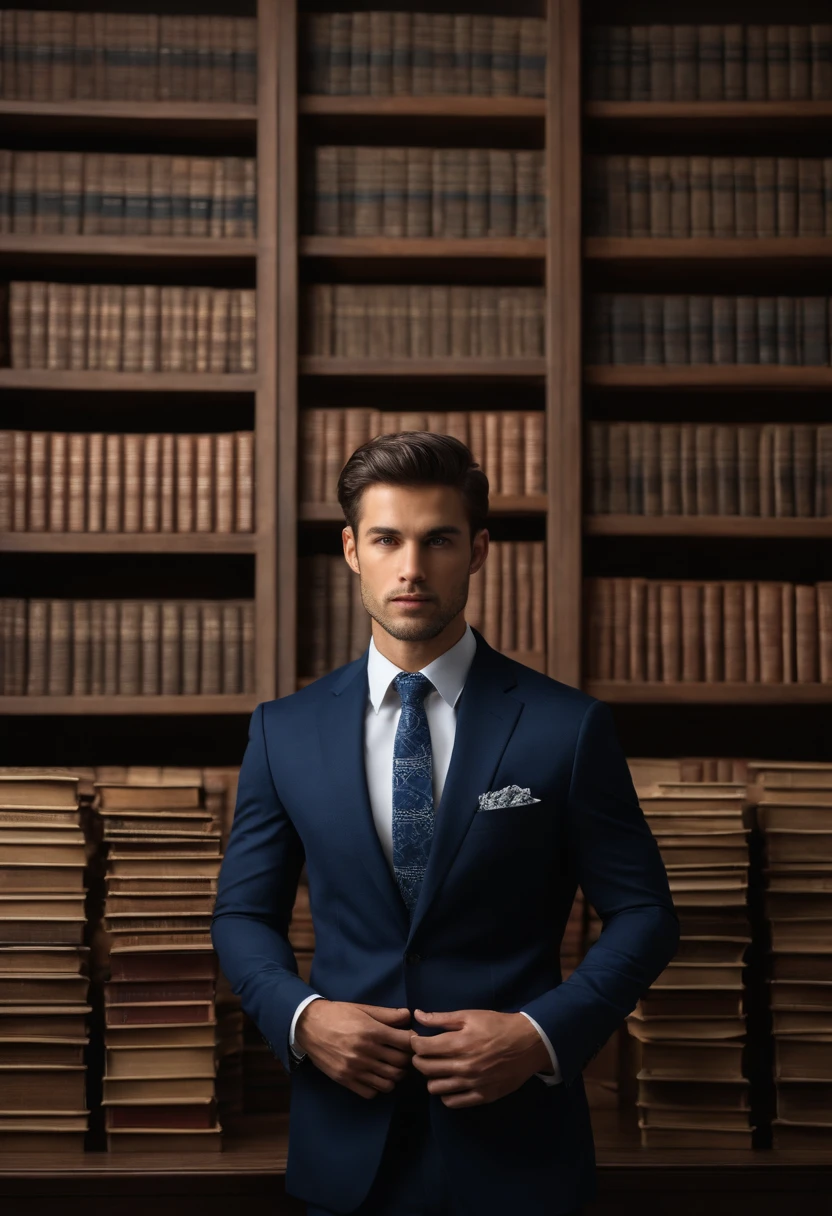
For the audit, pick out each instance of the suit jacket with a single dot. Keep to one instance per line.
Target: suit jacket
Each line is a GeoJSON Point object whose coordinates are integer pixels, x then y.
{"type": "Point", "coordinates": [485, 933]}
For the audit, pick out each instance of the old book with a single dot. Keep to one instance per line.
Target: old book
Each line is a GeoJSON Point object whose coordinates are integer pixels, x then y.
{"type": "Point", "coordinates": [151, 1013]}
{"type": "Point", "coordinates": [156, 1061]}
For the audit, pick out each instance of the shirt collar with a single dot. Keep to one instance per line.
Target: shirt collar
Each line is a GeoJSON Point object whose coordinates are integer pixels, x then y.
{"type": "Point", "coordinates": [447, 673]}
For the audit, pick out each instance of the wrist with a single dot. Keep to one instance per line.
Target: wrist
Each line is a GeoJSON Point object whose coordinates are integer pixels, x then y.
{"type": "Point", "coordinates": [302, 1024]}
{"type": "Point", "coordinates": [538, 1054]}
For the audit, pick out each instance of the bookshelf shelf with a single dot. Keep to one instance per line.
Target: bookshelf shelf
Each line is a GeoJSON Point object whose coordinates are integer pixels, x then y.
{"type": "Point", "coordinates": [697, 376]}
{"type": "Point", "coordinates": [122, 248]}
{"type": "Point", "coordinates": [498, 504]}
{"type": "Point", "coordinates": [709, 249]}
{"type": "Point", "coordinates": [796, 115]}
{"type": "Point", "coordinates": [423, 107]}
{"type": "Point", "coordinates": [438, 368]}
{"type": "Point", "coordinates": [179, 117]}
{"type": "Point", "coordinates": [239, 703]}
{"type": "Point", "coordinates": [705, 525]}
{"type": "Point", "coordinates": [624, 692]}
{"type": "Point", "coordinates": [128, 542]}
{"type": "Point", "coordinates": [421, 247]}
{"type": "Point", "coordinates": [136, 382]}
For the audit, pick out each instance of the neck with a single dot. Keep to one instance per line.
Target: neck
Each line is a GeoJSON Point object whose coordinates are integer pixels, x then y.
{"type": "Point", "coordinates": [413, 656]}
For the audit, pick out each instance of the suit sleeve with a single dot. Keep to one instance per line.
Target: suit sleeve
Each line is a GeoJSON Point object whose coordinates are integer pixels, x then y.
{"type": "Point", "coordinates": [620, 870]}
{"type": "Point", "coordinates": [256, 892]}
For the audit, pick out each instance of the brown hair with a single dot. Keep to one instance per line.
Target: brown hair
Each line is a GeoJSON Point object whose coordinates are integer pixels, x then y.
{"type": "Point", "coordinates": [410, 458]}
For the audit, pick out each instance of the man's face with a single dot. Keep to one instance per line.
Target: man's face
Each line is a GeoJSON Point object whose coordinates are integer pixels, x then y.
{"type": "Point", "coordinates": [400, 554]}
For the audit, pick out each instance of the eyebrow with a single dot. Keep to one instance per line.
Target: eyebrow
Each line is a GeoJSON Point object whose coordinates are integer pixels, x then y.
{"type": "Point", "coordinates": [446, 528]}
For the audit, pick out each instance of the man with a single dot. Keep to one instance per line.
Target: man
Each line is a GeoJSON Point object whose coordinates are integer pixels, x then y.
{"type": "Point", "coordinates": [447, 802]}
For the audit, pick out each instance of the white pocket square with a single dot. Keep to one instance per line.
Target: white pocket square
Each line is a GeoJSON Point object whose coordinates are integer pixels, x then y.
{"type": "Point", "coordinates": [509, 795]}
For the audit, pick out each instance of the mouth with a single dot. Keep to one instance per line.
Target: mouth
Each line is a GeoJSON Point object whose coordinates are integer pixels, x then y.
{"type": "Point", "coordinates": [411, 599]}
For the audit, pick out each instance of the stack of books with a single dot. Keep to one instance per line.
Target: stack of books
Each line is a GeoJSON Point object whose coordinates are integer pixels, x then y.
{"type": "Point", "coordinates": [794, 811]}
{"type": "Point", "coordinates": [43, 963]}
{"type": "Point", "coordinates": [690, 1026]}
{"type": "Point", "coordinates": [160, 1024]}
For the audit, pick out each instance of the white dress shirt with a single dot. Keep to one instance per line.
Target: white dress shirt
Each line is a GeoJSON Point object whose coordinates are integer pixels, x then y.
{"type": "Point", "coordinates": [447, 674]}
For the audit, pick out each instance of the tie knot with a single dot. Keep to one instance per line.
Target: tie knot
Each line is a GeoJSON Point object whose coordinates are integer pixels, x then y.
{"type": "Point", "coordinates": [412, 687]}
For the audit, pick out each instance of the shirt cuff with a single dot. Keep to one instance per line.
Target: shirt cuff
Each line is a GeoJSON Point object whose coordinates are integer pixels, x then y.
{"type": "Point", "coordinates": [298, 1055]}
{"type": "Point", "coordinates": [554, 1078]}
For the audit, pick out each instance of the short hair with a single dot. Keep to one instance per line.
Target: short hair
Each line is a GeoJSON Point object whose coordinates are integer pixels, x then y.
{"type": "Point", "coordinates": [412, 458]}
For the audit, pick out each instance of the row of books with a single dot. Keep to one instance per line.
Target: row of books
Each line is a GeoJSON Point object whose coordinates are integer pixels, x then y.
{"type": "Point", "coordinates": [58, 482]}
{"type": "Point", "coordinates": [690, 1026]}
{"type": "Point", "coordinates": [131, 327]}
{"type": "Point", "coordinates": [44, 965]}
{"type": "Point", "coordinates": [161, 1032]}
{"type": "Point", "coordinates": [723, 329]}
{"type": "Point", "coordinates": [65, 647]}
{"type": "Point", "coordinates": [726, 62]}
{"type": "Point", "coordinates": [506, 603]}
{"type": "Point", "coordinates": [419, 192]}
{"type": "Point", "coordinates": [415, 320]}
{"type": "Point", "coordinates": [402, 53]}
{"type": "Point", "coordinates": [672, 468]}
{"type": "Point", "coordinates": [509, 445]}
{"type": "Point", "coordinates": [797, 832]}
{"type": "Point", "coordinates": [113, 194]}
{"type": "Point", "coordinates": [84, 56]}
{"type": "Point", "coordinates": [708, 196]}
{"type": "Point", "coordinates": [680, 632]}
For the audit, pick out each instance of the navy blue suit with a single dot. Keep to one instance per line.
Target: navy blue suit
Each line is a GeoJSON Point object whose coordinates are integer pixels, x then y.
{"type": "Point", "coordinates": [486, 930]}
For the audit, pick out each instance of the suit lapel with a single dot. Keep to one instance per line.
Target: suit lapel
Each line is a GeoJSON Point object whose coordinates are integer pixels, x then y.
{"type": "Point", "coordinates": [486, 719]}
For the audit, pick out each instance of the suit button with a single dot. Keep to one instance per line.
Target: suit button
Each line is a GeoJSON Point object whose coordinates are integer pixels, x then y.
{"type": "Point", "coordinates": [412, 957]}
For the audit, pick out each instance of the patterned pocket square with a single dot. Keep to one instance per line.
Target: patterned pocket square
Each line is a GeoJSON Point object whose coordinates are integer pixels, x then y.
{"type": "Point", "coordinates": [509, 795]}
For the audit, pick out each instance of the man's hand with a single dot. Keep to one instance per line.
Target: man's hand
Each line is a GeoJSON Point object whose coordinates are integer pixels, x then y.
{"type": "Point", "coordinates": [484, 1057]}
{"type": "Point", "coordinates": [357, 1045]}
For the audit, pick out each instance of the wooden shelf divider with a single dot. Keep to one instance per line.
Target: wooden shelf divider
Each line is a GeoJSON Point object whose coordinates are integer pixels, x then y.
{"type": "Point", "coordinates": [798, 113]}
{"type": "Point", "coordinates": [129, 542]}
{"type": "Point", "coordinates": [709, 375]}
{"type": "Point", "coordinates": [624, 692]}
{"type": "Point", "coordinates": [438, 368]}
{"type": "Point", "coordinates": [173, 112]}
{"type": "Point", "coordinates": [228, 703]}
{"type": "Point", "coordinates": [114, 248]}
{"type": "Point", "coordinates": [127, 382]}
{"type": "Point", "coordinates": [422, 247]}
{"type": "Point", "coordinates": [707, 525]}
{"type": "Point", "coordinates": [711, 249]}
{"type": "Point", "coordinates": [431, 106]}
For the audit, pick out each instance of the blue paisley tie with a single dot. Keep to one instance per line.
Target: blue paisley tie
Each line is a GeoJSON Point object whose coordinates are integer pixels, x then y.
{"type": "Point", "coordinates": [412, 787]}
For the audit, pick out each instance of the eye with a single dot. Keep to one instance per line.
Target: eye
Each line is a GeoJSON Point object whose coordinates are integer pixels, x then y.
{"type": "Point", "coordinates": [442, 539]}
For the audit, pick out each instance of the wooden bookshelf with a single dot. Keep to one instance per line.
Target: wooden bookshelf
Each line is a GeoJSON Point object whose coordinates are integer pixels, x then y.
{"type": "Point", "coordinates": [203, 126]}
{"type": "Point", "coordinates": [707, 525]}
